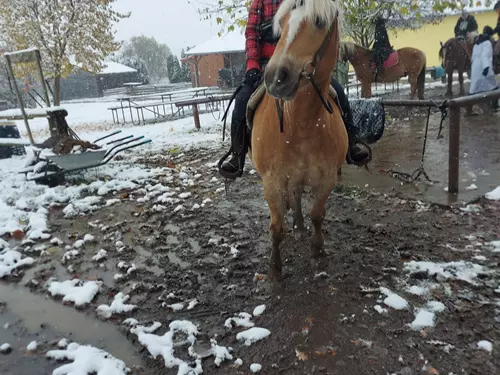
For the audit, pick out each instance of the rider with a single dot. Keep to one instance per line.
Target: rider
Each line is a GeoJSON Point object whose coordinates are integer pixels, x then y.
{"type": "Point", "coordinates": [465, 25]}
{"type": "Point", "coordinates": [496, 8]}
{"type": "Point", "coordinates": [259, 47]}
{"type": "Point", "coordinates": [382, 49]}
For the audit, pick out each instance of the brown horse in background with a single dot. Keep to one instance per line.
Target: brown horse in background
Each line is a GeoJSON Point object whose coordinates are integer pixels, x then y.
{"type": "Point", "coordinates": [313, 144]}
{"type": "Point", "coordinates": [411, 63]}
{"type": "Point", "coordinates": [455, 55]}
{"type": "Point", "coordinates": [496, 57]}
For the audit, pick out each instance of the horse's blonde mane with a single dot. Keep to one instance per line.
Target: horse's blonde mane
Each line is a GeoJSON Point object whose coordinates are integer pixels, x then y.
{"type": "Point", "coordinates": [325, 10]}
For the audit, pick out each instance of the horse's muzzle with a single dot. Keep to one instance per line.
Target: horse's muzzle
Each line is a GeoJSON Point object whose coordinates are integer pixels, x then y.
{"type": "Point", "coordinates": [280, 82]}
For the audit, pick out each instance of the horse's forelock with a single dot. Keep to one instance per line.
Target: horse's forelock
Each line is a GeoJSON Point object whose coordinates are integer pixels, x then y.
{"type": "Point", "coordinates": [325, 10]}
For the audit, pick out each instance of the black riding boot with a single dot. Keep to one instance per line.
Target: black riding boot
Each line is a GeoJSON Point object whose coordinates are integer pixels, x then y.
{"type": "Point", "coordinates": [239, 134]}
{"type": "Point", "coordinates": [355, 155]}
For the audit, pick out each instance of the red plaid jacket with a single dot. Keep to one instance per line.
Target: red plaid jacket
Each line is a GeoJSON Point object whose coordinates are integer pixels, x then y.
{"type": "Point", "coordinates": [255, 49]}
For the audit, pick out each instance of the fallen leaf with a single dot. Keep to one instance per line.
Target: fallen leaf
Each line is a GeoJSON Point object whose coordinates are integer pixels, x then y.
{"type": "Point", "coordinates": [18, 234]}
{"type": "Point", "coordinates": [300, 355]}
{"type": "Point", "coordinates": [124, 196]}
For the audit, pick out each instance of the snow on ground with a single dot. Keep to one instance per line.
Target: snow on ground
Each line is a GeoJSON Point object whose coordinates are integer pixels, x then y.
{"type": "Point", "coordinates": [253, 335]}
{"type": "Point", "coordinates": [242, 320]}
{"type": "Point", "coordinates": [464, 271]}
{"type": "Point", "coordinates": [164, 345]}
{"type": "Point", "coordinates": [87, 359]}
{"type": "Point", "coordinates": [11, 260]}
{"type": "Point", "coordinates": [75, 290]}
{"type": "Point", "coordinates": [494, 195]}
{"type": "Point", "coordinates": [393, 300]}
{"type": "Point", "coordinates": [485, 345]}
{"type": "Point", "coordinates": [118, 306]}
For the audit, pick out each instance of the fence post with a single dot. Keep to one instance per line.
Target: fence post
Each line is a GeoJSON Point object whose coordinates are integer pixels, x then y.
{"type": "Point", "coordinates": [454, 149]}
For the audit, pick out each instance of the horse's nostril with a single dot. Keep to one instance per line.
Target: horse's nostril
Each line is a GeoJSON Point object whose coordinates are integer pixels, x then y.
{"type": "Point", "coordinates": [282, 76]}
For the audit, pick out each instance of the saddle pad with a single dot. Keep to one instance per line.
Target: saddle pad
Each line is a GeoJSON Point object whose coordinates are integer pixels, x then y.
{"type": "Point", "coordinates": [369, 119]}
{"type": "Point", "coordinates": [253, 103]}
{"type": "Point", "coordinates": [391, 61]}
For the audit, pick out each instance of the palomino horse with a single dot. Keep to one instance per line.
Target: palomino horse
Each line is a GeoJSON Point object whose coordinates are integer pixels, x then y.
{"type": "Point", "coordinates": [313, 144]}
{"type": "Point", "coordinates": [410, 62]}
{"type": "Point", "coordinates": [455, 55]}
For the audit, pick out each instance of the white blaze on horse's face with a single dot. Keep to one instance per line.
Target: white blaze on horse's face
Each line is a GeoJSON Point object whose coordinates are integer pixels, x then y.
{"type": "Point", "coordinates": [303, 26]}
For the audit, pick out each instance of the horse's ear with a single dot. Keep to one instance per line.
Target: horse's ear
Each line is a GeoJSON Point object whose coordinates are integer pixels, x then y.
{"type": "Point", "coordinates": [442, 45]}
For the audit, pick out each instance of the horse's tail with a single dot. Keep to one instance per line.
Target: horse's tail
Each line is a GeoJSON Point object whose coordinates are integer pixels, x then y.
{"type": "Point", "coordinates": [421, 81]}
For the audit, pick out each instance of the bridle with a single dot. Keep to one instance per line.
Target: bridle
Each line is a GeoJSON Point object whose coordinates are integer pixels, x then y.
{"type": "Point", "coordinates": [308, 73]}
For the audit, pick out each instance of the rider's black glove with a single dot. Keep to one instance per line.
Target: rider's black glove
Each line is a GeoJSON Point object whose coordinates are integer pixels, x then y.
{"type": "Point", "coordinates": [252, 78]}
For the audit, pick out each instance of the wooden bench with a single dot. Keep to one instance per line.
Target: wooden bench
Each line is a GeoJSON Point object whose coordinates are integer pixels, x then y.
{"type": "Point", "coordinates": [194, 102]}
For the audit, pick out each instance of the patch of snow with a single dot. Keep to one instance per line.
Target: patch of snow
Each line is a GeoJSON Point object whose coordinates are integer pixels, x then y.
{"type": "Point", "coordinates": [380, 309]}
{"type": "Point", "coordinates": [5, 348]}
{"type": "Point", "coordinates": [423, 319]}
{"type": "Point", "coordinates": [221, 353]}
{"type": "Point", "coordinates": [75, 290]}
{"type": "Point", "coordinates": [255, 367]}
{"type": "Point", "coordinates": [460, 270]}
{"type": "Point", "coordinates": [418, 290]}
{"type": "Point", "coordinates": [87, 359]}
{"type": "Point", "coordinates": [485, 345]}
{"type": "Point", "coordinates": [192, 304]}
{"type": "Point", "coordinates": [56, 241]}
{"type": "Point", "coordinates": [176, 307]}
{"type": "Point", "coordinates": [130, 322]}
{"type": "Point", "coordinates": [252, 335]}
{"type": "Point", "coordinates": [118, 306]}
{"type": "Point", "coordinates": [494, 246]}
{"type": "Point", "coordinates": [393, 300]}
{"type": "Point", "coordinates": [259, 310]}
{"type": "Point", "coordinates": [242, 320]}
{"type": "Point", "coordinates": [184, 195]}
{"type": "Point", "coordinates": [63, 343]}
{"type": "Point", "coordinates": [32, 346]}
{"type": "Point", "coordinates": [101, 254]}
{"type": "Point", "coordinates": [11, 260]}
{"type": "Point", "coordinates": [493, 195]}
{"type": "Point", "coordinates": [471, 187]}
{"type": "Point", "coordinates": [238, 362]}
{"type": "Point", "coordinates": [435, 306]}
{"type": "Point", "coordinates": [164, 345]}
{"type": "Point", "coordinates": [111, 202]}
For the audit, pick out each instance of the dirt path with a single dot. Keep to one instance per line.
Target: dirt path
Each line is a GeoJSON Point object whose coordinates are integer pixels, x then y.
{"type": "Point", "coordinates": [322, 318]}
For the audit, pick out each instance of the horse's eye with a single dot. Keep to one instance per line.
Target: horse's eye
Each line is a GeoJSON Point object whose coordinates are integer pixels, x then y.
{"type": "Point", "coordinates": [320, 24]}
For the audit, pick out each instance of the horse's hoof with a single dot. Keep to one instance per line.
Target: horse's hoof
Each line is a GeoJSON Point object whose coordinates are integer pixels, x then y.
{"type": "Point", "coordinates": [299, 233]}
{"type": "Point", "coordinates": [274, 274]}
{"type": "Point", "coordinates": [317, 252]}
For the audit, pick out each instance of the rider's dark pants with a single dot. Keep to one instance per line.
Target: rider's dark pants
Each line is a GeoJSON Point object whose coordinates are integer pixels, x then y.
{"type": "Point", "coordinates": [238, 123]}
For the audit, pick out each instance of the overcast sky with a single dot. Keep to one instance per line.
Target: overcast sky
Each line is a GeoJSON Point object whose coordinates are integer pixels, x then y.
{"type": "Point", "coordinates": [174, 22]}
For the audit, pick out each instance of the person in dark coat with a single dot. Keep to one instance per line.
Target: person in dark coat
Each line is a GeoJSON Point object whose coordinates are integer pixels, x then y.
{"type": "Point", "coordinates": [382, 48]}
{"type": "Point", "coordinates": [496, 8]}
{"type": "Point", "coordinates": [465, 25]}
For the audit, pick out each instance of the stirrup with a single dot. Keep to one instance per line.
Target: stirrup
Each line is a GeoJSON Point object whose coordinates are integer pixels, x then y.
{"type": "Point", "coordinates": [225, 174]}
{"type": "Point", "coordinates": [362, 163]}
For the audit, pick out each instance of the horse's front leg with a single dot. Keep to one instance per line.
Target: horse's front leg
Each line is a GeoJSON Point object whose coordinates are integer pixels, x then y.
{"type": "Point", "coordinates": [366, 89]}
{"type": "Point", "coordinates": [275, 196]}
{"type": "Point", "coordinates": [413, 86]}
{"type": "Point", "coordinates": [318, 212]}
{"type": "Point", "coordinates": [461, 81]}
{"type": "Point", "coordinates": [298, 218]}
{"type": "Point", "coordinates": [449, 92]}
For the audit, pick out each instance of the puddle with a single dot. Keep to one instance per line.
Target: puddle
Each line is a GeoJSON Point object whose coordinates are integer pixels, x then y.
{"type": "Point", "coordinates": [147, 256]}
{"type": "Point", "coordinates": [43, 316]}
{"type": "Point", "coordinates": [176, 260]}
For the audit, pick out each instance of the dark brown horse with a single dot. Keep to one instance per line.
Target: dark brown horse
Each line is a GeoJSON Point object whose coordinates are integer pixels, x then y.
{"type": "Point", "coordinates": [455, 55]}
{"type": "Point", "coordinates": [496, 57]}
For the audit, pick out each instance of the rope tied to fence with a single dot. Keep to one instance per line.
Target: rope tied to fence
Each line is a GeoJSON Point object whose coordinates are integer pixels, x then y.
{"type": "Point", "coordinates": [411, 177]}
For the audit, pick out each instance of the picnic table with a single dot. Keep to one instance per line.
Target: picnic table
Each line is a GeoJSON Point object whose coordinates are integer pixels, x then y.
{"type": "Point", "coordinates": [194, 102]}
{"type": "Point", "coordinates": [162, 99]}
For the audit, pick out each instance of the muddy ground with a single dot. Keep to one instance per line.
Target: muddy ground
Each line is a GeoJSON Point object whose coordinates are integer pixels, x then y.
{"type": "Point", "coordinates": [320, 319]}
{"type": "Point", "coordinates": [321, 316]}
